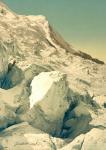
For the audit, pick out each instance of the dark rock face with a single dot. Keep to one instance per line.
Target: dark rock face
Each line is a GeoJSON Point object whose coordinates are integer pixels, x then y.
{"type": "Point", "coordinates": [86, 56]}
{"type": "Point", "coordinates": [77, 121]}
{"type": "Point", "coordinates": [3, 62]}
{"type": "Point", "coordinates": [12, 78]}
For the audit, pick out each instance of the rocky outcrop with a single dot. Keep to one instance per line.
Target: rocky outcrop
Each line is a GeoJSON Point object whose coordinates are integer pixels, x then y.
{"type": "Point", "coordinates": [76, 121]}
{"type": "Point", "coordinates": [76, 144]}
{"type": "Point", "coordinates": [13, 77]}
{"type": "Point", "coordinates": [23, 136]}
{"type": "Point", "coordinates": [87, 56]}
{"type": "Point", "coordinates": [34, 70]}
{"type": "Point", "coordinates": [100, 100]}
{"type": "Point", "coordinates": [10, 75]}
{"type": "Point", "coordinates": [48, 102]}
{"type": "Point", "coordinates": [10, 102]}
{"type": "Point", "coordinates": [95, 139]}
{"type": "Point", "coordinates": [3, 63]}
{"type": "Point", "coordinates": [7, 116]}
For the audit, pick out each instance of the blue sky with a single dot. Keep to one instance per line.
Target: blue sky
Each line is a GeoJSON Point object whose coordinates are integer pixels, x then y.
{"type": "Point", "coordinates": [81, 22]}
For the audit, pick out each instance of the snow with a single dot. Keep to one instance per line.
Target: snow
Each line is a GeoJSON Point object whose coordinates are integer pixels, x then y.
{"type": "Point", "coordinates": [40, 86]}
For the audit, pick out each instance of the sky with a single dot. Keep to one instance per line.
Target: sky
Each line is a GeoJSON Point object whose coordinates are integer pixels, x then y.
{"type": "Point", "coordinates": [81, 22]}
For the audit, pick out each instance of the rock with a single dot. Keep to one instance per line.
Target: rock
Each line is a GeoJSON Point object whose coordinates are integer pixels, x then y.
{"type": "Point", "coordinates": [7, 116]}
{"type": "Point", "coordinates": [100, 100]}
{"type": "Point", "coordinates": [8, 78]}
{"type": "Point", "coordinates": [70, 123]}
{"type": "Point", "coordinates": [78, 121]}
{"type": "Point", "coordinates": [59, 142]}
{"type": "Point", "coordinates": [13, 78]}
{"type": "Point", "coordinates": [47, 83]}
{"type": "Point", "coordinates": [48, 102]}
{"type": "Point", "coordinates": [95, 139]}
{"type": "Point", "coordinates": [15, 96]}
{"type": "Point", "coordinates": [3, 62]}
{"type": "Point", "coordinates": [23, 136]}
{"type": "Point", "coordinates": [76, 144]}
{"type": "Point", "coordinates": [34, 70]}
{"type": "Point", "coordinates": [12, 102]}
{"type": "Point", "coordinates": [99, 121]}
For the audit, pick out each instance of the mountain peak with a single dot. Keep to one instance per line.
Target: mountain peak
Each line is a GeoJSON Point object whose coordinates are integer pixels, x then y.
{"type": "Point", "coordinates": [47, 88]}
{"type": "Point", "coordinates": [27, 32]}
{"type": "Point", "coordinates": [6, 12]}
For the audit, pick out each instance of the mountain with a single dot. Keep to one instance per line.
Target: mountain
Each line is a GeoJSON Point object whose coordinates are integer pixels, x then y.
{"type": "Point", "coordinates": [51, 95]}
